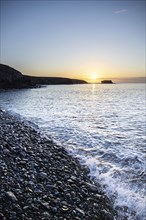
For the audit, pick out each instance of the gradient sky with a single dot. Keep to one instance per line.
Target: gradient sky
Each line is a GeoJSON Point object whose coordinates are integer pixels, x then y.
{"type": "Point", "coordinates": [76, 39]}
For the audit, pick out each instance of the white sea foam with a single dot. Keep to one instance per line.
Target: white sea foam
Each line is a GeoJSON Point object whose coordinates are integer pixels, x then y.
{"type": "Point", "coordinates": [102, 125]}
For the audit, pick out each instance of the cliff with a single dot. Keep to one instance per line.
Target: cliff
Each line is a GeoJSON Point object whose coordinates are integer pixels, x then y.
{"type": "Point", "coordinates": [51, 80]}
{"type": "Point", "coordinates": [11, 78]}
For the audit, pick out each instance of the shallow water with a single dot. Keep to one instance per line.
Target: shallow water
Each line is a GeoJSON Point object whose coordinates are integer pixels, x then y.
{"type": "Point", "coordinates": [102, 125]}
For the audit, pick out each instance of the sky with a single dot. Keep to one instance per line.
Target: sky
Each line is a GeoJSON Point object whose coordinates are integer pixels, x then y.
{"type": "Point", "coordinates": [76, 39]}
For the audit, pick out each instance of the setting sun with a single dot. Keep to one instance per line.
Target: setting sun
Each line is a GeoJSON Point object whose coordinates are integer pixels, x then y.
{"type": "Point", "coordinates": [93, 77]}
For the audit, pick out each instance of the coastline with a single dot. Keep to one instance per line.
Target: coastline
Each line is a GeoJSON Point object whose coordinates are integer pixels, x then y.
{"type": "Point", "coordinates": [39, 180]}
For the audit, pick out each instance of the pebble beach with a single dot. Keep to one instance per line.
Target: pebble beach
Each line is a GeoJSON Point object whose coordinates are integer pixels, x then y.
{"type": "Point", "coordinates": [39, 180]}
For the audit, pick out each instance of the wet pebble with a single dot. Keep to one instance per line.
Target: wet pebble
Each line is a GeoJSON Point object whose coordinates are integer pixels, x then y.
{"type": "Point", "coordinates": [11, 196]}
{"type": "Point", "coordinates": [80, 212]}
{"type": "Point", "coordinates": [43, 175]}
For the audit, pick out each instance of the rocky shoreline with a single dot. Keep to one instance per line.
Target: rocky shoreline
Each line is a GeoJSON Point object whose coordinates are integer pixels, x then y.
{"type": "Point", "coordinates": [40, 181]}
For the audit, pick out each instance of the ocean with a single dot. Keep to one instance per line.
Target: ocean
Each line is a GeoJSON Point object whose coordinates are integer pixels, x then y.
{"type": "Point", "coordinates": [102, 125]}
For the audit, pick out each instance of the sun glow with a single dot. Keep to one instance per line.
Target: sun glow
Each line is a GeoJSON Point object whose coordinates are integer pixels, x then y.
{"type": "Point", "coordinates": [94, 77]}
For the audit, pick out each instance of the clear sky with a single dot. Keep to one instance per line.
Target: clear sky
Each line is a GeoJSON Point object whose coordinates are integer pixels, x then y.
{"type": "Point", "coordinates": [76, 39]}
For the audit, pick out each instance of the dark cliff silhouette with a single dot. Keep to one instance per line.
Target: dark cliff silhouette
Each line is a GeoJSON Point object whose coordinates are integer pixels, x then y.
{"type": "Point", "coordinates": [106, 82]}
{"type": "Point", "coordinates": [11, 78]}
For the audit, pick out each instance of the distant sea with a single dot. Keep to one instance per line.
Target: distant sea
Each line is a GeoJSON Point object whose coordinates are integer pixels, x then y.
{"type": "Point", "coordinates": [102, 125]}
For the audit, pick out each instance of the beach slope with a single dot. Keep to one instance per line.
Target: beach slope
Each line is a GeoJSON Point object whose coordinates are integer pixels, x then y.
{"type": "Point", "coordinates": [39, 180]}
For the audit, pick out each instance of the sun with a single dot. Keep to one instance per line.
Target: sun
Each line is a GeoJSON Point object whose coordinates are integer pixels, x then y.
{"type": "Point", "coordinates": [94, 76]}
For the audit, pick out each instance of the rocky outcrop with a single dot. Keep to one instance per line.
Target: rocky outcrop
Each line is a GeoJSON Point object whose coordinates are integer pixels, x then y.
{"type": "Point", "coordinates": [9, 74]}
{"type": "Point", "coordinates": [11, 78]}
{"type": "Point", "coordinates": [106, 82]}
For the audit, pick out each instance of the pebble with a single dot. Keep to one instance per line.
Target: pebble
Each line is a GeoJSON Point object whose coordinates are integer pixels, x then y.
{"type": "Point", "coordinates": [43, 175]}
{"type": "Point", "coordinates": [64, 208]}
{"type": "Point", "coordinates": [81, 212]}
{"type": "Point", "coordinates": [11, 196]}
{"type": "Point", "coordinates": [107, 215]}
{"type": "Point", "coordinates": [92, 187]}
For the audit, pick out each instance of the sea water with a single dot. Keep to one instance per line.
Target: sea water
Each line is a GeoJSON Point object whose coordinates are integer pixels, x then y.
{"type": "Point", "coordinates": [102, 125]}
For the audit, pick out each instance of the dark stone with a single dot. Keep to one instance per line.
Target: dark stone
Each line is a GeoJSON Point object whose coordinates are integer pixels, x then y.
{"type": "Point", "coordinates": [11, 196]}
